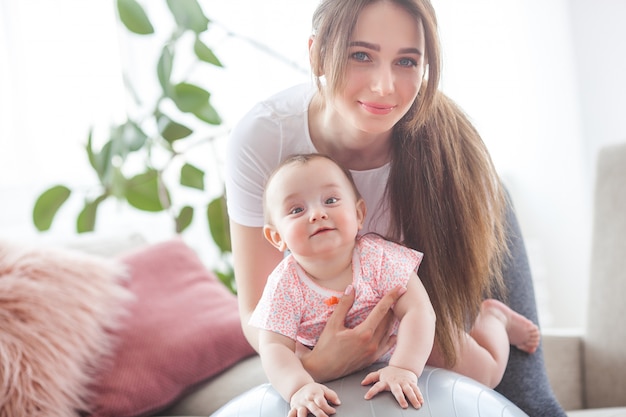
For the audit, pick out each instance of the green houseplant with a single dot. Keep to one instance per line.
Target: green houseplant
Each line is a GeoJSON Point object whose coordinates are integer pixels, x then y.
{"type": "Point", "coordinates": [157, 139]}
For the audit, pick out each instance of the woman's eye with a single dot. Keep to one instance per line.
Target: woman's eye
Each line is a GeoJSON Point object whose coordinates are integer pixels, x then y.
{"type": "Point", "coordinates": [360, 56]}
{"type": "Point", "coordinates": [331, 200]}
{"type": "Point", "coordinates": [407, 62]}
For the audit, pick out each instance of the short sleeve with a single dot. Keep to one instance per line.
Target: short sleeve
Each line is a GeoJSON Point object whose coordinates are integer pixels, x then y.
{"type": "Point", "coordinates": [272, 130]}
{"type": "Point", "coordinates": [395, 263]}
{"type": "Point", "coordinates": [247, 168]}
{"type": "Point", "coordinates": [279, 309]}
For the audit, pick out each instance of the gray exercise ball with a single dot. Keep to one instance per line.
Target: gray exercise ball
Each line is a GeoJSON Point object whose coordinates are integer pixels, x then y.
{"type": "Point", "coordinates": [446, 394]}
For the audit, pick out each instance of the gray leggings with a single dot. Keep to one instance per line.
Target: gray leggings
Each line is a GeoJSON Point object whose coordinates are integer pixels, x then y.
{"type": "Point", "coordinates": [525, 381]}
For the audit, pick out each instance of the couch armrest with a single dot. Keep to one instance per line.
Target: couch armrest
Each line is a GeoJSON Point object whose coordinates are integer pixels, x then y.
{"type": "Point", "coordinates": [210, 395]}
{"type": "Point", "coordinates": [563, 354]}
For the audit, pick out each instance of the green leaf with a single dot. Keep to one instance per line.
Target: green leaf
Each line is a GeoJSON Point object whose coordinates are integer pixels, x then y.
{"type": "Point", "coordinates": [207, 113]}
{"type": "Point", "coordinates": [204, 53]}
{"type": "Point", "coordinates": [101, 160]}
{"type": "Point", "coordinates": [184, 218]}
{"type": "Point", "coordinates": [228, 279]}
{"type": "Point", "coordinates": [191, 176]}
{"type": "Point", "coordinates": [134, 17]}
{"type": "Point", "coordinates": [90, 153]}
{"type": "Point", "coordinates": [217, 216]}
{"type": "Point", "coordinates": [86, 221]}
{"type": "Point", "coordinates": [189, 97]}
{"type": "Point", "coordinates": [171, 130]}
{"type": "Point", "coordinates": [47, 206]}
{"type": "Point", "coordinates": [188, 15]}
{"type": "Point", "coordinates": [116, 184]}
{"type": "Point", "coordinates": [129, 137]}
{"type": "Point", "coordinates": [143, 192]}
{"type": "Point", "coordinates": [164, 68]}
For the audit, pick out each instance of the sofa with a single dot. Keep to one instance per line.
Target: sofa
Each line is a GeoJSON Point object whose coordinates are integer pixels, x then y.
{"type": "Point", "coordinates": [159, 335]}
{"type": "Point", "coordinates": [588, 371]}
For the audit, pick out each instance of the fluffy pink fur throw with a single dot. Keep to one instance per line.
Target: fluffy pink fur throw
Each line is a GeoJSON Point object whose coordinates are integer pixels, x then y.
{"type": "Point", "coordinates": [58, 309]}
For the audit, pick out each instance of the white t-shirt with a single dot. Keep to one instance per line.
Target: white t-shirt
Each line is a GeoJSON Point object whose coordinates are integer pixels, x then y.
{"type": "Point", "coordinates": [270, 132]}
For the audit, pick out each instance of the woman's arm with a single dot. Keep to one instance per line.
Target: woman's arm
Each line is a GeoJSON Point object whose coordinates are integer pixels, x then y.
{"type": "Point", "coordinates": [253, 260]}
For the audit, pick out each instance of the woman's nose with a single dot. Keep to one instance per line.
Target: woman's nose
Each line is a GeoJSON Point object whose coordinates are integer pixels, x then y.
{"type": "Point", "coordinates": [383, 80]}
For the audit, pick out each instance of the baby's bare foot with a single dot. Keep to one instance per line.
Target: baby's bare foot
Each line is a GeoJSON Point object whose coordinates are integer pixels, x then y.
{"type": "Point", "coordinates": [523, 333]}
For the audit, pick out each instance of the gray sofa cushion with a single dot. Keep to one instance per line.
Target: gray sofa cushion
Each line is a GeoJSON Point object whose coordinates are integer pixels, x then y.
{"type": "Point", "coordinates": [605, 336]}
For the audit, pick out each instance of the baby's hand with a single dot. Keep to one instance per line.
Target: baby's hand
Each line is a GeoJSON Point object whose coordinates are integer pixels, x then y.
{"type": "Point", "coordinates": [313, 398]}
{"type": "Point", "coordinates": [401, 382]}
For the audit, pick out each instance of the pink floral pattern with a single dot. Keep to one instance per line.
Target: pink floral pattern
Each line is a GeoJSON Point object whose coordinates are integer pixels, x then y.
{"type": "Point", "coordinates": [294, 306]}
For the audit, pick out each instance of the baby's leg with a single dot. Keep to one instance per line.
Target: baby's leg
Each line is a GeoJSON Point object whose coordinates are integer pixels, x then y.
{"type": "Point", "coordinates": [484, 352]}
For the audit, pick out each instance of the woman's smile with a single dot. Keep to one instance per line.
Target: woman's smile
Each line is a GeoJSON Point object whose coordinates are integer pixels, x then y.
{"type": "Point", "coordinates": [377, 108]}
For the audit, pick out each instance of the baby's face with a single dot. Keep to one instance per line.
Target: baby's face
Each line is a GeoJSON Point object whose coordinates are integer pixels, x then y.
{"type": "Point", "coordinates": [313, 208]}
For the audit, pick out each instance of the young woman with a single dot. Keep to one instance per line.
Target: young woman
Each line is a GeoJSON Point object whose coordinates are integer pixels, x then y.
{"type": "Point", "coordinates": [423, 171]}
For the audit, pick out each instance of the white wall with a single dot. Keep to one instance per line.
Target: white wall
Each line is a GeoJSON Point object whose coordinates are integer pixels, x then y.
{"type": "Point", "coordinates": [599, 36]}
{"type": "Point", "coordinates": [58, 75]}
{"type": "Point", "coordinates": [511, 66]}
{"type": "Point", "coordinates": [542, 80]}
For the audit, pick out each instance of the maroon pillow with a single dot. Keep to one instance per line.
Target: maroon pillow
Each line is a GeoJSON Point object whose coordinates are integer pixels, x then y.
{"type": "Point", "coordinates": [183, 329]}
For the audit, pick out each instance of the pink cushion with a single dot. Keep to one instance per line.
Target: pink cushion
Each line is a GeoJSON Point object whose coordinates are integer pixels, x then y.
{"type": "Point", "coordinates": [183, 329]}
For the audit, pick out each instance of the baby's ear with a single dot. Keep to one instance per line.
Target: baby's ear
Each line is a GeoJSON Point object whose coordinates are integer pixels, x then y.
{"type": "Point", "coordinates": [272, 236]}
{"type": "Point", "coordinates": [361, 211]}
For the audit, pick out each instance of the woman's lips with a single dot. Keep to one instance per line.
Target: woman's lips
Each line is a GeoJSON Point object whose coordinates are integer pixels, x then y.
{"type": "Point", "coordinates": [377, 108]}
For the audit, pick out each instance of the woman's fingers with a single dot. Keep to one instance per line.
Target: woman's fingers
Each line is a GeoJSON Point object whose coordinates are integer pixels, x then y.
{"type": "Point", "coordinates": [337, 320]}
{"type": "Point", "coordinates": [341, 350]}
{"type": "Point", "coordinates": [379, 323]}
{"type": "Point", "coordinates": [379, 314]}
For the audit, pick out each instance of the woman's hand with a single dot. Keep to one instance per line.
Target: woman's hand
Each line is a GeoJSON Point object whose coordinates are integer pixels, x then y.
{"type": "Point", "coordinates": [341, 351]}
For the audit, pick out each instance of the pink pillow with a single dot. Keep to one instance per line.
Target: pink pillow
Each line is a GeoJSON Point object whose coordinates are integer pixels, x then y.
{"type": "Point", "coordinates": [183, 329]}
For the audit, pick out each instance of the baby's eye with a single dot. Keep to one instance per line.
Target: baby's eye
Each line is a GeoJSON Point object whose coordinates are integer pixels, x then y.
{"type": "Point", "coordinates": [360, 56]}
{"type": "Point", "coordinates": [331, 200]}
{"type": "Point", "coordinates": [407, 62]}
{"type": "Point", "coordinates": [296, 210]}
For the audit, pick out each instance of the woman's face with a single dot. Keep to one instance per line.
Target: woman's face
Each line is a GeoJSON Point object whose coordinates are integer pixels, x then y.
{"type": "Point", "coordinates": [385, 68]}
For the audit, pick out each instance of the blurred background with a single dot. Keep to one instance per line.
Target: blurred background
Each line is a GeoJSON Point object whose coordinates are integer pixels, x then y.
{"type": "Point", "coordinates": [543, 81]}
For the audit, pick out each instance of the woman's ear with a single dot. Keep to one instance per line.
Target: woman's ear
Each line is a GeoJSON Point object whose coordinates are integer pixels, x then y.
{"type": "Point", "coordinates": [361, 211]}
{"type": "Point", "coordinates": [272, 236]}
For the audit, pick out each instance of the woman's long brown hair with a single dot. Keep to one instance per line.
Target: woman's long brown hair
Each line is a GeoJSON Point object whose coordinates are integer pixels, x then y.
{"type": "Point", "coordinates": [445, 196]}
